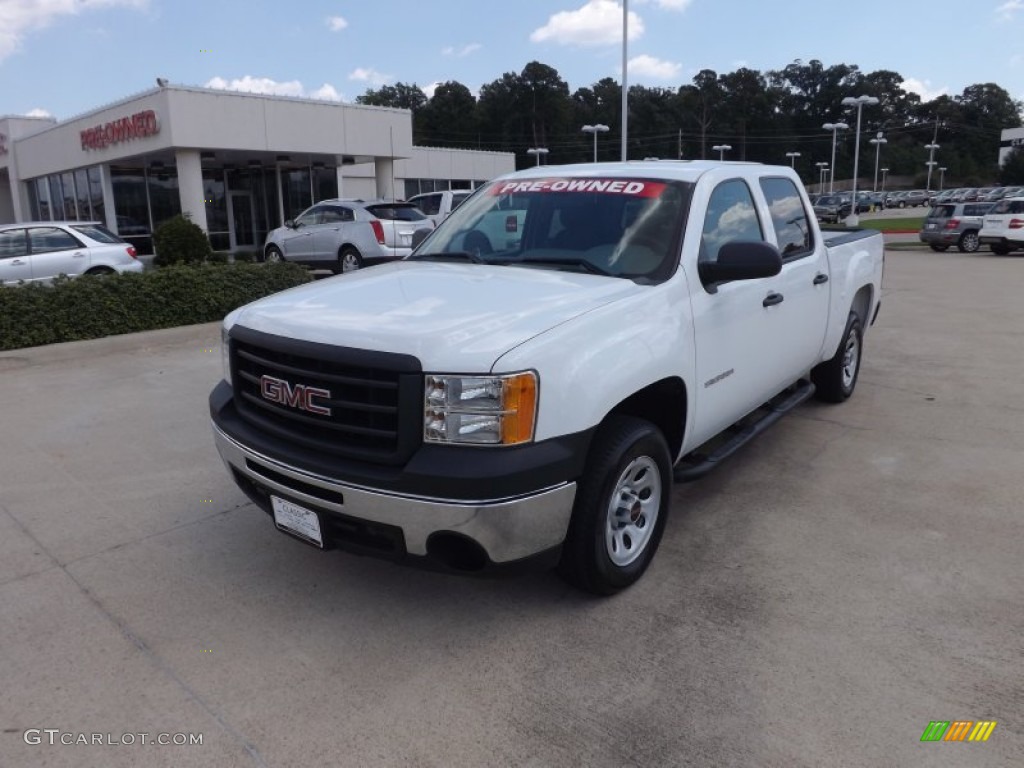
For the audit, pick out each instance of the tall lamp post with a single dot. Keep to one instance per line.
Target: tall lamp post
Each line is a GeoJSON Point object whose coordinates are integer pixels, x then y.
{"type": "Point", "coordinates": [721, 149]}
{"type": "Point", "coordinates": [931, 163]}
{"type": "Point", "coordinates": [537, 152]}
{"type": "Point", "coordinates": [878, 141]}
{"type": "Point", "coordinates": [625, 89]}
{"type": "Point", "coordinates": [884, 172]}
{"type": "Point", "coordinates": [595, 129]}
{"type": "Point", "coordinates": [942, 177]}
{"type": "Point", "coordinates": [858, 102]}
{"type": "Point", "coordinates": [792, 158]}
{"type": "Point", "coordinates": [822, 170]}
{"type": "Point", "coordinates": [834, 127]}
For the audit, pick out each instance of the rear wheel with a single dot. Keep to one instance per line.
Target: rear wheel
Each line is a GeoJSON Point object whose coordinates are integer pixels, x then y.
{"type": "Point", "coordinates": [622, 504]}
{"type": "Point", "coordinates": [96, 271]}
{"type": "Point", "coordinates": [349, 260]}
{"type": "Point", "coordinates": [968, 242]}
{"type": "Point", "coordinates": [939, 248]}
{"type": "Point", "coordinates": [835, 379]}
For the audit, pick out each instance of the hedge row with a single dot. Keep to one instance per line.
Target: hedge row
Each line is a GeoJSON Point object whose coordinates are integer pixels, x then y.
{"type": "Point", "coordinates": [92, 307]}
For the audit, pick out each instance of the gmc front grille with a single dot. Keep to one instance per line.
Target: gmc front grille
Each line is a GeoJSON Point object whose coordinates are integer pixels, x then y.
{"type": "Point", "coordinates": [375, 399]}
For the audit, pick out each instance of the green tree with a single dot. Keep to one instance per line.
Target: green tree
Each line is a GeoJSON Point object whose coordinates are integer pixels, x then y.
{"type": "Point", "coordinates": [399, 96]}
{"type": "Point", "coordinates": [449, 117]}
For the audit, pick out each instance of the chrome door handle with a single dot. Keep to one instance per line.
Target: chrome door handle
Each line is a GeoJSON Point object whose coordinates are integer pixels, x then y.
{"type": "Point", "coordinates": [17, 262]}
{"type": "Point", "coordinates": [79, 255]}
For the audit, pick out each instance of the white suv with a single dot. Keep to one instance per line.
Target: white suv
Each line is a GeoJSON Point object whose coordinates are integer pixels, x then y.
{"type": "Point", "coordinates": [1003, 228]}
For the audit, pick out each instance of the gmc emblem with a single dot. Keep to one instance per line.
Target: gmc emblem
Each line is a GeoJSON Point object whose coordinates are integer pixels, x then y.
{"type": "Point", "coordinates": [294, 395]}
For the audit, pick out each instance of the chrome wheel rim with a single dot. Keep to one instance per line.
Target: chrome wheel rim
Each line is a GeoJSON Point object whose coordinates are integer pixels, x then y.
{"type": "Point", "coordinates": [633, 511]}
{"type": "Point", "coordinates": [970, 242]}
{"type": "Point", "coordinates": [349, 262]}
{"type": "Point", "coordinates": [851, 359]}
{"type": "Point", "coordinates": [273, 255]}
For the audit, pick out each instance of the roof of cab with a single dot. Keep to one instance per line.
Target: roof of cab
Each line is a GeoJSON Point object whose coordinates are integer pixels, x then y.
{"type": "Point", "coordinates": [683, 170]}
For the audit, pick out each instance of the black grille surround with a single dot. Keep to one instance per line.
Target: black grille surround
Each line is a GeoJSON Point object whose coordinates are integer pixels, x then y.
{"type": "Point", "coordinates": [376, 398]}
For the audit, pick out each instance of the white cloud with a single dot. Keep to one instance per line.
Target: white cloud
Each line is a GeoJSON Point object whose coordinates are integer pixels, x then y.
{"type": "Point", "coordinates": [658, 69]}
{"type": "Point", "coordinates": [598, 22]}
{"type": "Point", "coordinates": [38, 112]}
{"type": "Point", "coordinates": [1009, 8]}
{"type": "Point", "coordinates": [336, 23]}
{"type": "Point", "coordinates": [265, 85]}
{"type": "Point", "coordinates": [367, 75]}
{"type": "Point", "coordinates": [450, 50]}
{"type": "Point", "coordinates": [923, 88]}
{"type": "Point", "coordinates": [429, 89]}
{"type": "Point", "coordinates": [18, 17]}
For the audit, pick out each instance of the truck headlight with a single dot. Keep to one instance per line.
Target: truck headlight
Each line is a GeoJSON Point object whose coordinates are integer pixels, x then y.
{"type": "Point", "coordinates": [480, 410]}
{"type": "Point", "coordinates": [225, 354]}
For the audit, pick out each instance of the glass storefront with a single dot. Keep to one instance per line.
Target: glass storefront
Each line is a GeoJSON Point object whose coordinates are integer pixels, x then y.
{"type": "Point", "coordinates": [132, 205]}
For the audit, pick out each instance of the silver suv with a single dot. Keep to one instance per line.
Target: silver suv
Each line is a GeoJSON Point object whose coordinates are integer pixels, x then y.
{"type": "Point", "coordinates": [954, 224]}
{"type": "Point", "coordinates": [345, 235]}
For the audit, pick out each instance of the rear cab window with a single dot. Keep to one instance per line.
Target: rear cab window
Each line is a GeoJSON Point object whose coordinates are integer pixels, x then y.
{"type": "Point", "coordinates": [789, 217]}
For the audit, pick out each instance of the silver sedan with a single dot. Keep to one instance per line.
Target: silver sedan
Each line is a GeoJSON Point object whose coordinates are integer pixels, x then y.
{"type": "Point", "coordinates": [38, 251]}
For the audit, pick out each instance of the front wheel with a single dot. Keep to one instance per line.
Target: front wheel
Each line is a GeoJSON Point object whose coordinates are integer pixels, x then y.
{"type": "Point", "coordinates": [939, 248]}
{"type": "Point", "coordinates": [622, 503]}
{"type": "Point", "coordinates": [835, 379]}
{"type": "Point", "coordinates": [969, 242]}
{"type": "Point", "coordinates": [273, 255]}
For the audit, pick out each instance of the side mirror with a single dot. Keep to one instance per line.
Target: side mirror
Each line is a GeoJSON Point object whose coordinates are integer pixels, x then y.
{"type": "Point", "coordinates": [291, 224]}
{"type": "Point", "coordinates": [419, 236]}
{"type": "Point", "coordinates": [741, 260]}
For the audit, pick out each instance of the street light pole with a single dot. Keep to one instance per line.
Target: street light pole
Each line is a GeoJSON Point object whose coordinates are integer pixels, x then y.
{"type": "Point", "coordinates": [822, 170]}
{"type": "Point", "coordinates": [931, 162]}
{"type": "Point", "coordinates": [625, 89]}
{"type": "Point", "coordinates": [537, 152]}
{"type": "Point", "coordinates": [834, 127]}
{"type": "Point", "coordinates": [595, 129]}
{"type": "Point", "coordinates": [859, 102]}
{"type": "Point", "coordinates": [878, 141]}
{"type": "Point", "coordinates": [884, 171]}
{"type": "Point", "coordinates": [792, 157]}
{"type": "Point", "coordinates": [721, 149]}
{"type": "Point", "coordinates": [942, 177]}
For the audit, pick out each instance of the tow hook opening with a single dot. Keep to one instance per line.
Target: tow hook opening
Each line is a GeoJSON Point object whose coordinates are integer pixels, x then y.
{"type": "Point", "coordinates": [455, 551]}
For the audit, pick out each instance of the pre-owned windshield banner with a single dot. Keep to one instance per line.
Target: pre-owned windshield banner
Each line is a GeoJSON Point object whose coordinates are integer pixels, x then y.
{"type": "Point", "coordinates": [631, 187]}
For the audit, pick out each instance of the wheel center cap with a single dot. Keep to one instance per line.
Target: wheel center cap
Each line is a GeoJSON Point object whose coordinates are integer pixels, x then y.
{"type": "Point", "coordinates": [634, 512]}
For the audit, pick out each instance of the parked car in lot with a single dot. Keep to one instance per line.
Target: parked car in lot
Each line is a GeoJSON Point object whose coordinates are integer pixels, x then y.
{"type": "Point", "coordinates": [345, 235]}
{"type": "Point", "coordinates": [37, 252]}
{"type": "Point", "coordinates": [892, 199]}
{"type": "Point", "coordinates": [954, 224]}
{"type": "Point", "coordinates": [531, 403]}
{"type": "Point", "coordinates": [913, 198]}
{"type": "Point", "coordinates": [1003, 229]}
{"type": "Point", "coordinates": [438, 206]}
{"type": "Point", "coordinates": [829, 209]}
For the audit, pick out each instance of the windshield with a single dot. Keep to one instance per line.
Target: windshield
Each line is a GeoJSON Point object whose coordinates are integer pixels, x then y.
{"type": "Point", "coordinates": [623, 227]}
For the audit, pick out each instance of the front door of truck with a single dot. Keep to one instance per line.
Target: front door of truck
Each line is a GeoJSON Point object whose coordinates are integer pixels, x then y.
{"type": "Point", "coordinates": [736, 351]}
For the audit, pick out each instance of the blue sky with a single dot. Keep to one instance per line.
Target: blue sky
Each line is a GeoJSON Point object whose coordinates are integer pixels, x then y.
{"type": "Point", "coordinates": [64, 57]}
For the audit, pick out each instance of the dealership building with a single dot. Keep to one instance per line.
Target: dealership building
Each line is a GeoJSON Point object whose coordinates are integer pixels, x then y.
{"type": "Point", "coordinates": [238, 164]}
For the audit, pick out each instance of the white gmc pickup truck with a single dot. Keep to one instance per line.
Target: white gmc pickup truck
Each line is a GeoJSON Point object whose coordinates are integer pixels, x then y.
{"type": "Point", "coordinates": [525, 387]}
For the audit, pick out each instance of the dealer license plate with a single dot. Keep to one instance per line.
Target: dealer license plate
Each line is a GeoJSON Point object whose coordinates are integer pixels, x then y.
{"type": "Point", "coordinates": [298, 521]}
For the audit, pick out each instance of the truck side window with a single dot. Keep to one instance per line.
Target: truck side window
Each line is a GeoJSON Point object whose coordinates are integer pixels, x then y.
{"type": "Point", "coordinates": [731, 216]}
{"type": "Point", "coordinates": [792, 232]}
{"type": "Point", "coordinates": [430, 204]}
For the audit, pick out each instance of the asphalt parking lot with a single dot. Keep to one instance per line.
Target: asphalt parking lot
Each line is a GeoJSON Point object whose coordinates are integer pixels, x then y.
{"type": "Point", "coordinates": [851, 576]}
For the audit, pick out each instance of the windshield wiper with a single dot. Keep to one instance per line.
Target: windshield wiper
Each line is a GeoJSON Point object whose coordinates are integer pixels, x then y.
{"type": "Point", "coordinates": [449, 256]}
{"type": "Point", "coordinates": [589, 266]}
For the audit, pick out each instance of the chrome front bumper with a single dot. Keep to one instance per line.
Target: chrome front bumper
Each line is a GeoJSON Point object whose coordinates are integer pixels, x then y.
{"type": "Point", "coordinates": [507, 529]}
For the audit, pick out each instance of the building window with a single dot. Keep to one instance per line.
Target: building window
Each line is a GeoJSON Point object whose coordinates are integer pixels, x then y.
{"type": "Point", "coordinates": [325, 183]}
{"type": "Point", "coordinates": [56, 198]}
{"type": "Point", "coordinates": [295, 188]}
{"type": "Point", "coordinates": [96, 194]}
{"type": "Point", "coordinates": [164, 201]}
{"type": "Point", "coordinates": [70, 209]}
{"type": "Point", "coordinates": [82, 195]}
{"type": "Point", "coordinates": [132, 207]}
{"type": "Point", "coordinates": [215, 194]}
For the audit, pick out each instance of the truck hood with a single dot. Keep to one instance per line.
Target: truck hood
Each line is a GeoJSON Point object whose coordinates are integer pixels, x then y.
{"type": "Point", "coordinates": [453, 317]}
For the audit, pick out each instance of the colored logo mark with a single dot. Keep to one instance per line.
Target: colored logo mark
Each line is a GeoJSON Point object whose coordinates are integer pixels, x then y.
{"type": "Point", "coordinates": [958, 730]}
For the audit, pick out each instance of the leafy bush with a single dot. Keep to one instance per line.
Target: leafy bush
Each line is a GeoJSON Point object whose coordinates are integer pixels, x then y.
{"type": "Point", "coordinates": [247, 256]}
{"type": "Point", "coordinates": [179, 241]}
{"type": "Point", "coordinates": [91, 307]}
{"type": "Point", "coordinates": [220, 257]}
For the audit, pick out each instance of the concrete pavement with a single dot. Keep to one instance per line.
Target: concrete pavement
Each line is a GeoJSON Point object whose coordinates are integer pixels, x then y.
{"type": "Point", "coordinates": [852, 575]}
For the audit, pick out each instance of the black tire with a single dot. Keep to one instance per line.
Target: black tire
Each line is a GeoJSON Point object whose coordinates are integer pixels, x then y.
{"type": "Point", "coordinates": [939, 248]}
{"type": "Point", "coordinates": [1000, 250]}
{"type": "Point", "coordinates": [349, 260]}
{"type": "Point", "coordinates": [99, 271]}
{"type": "Point", "coordinates": [835, 379]}
{"type": "Point", "coordinates": [478, 243]}
{"type": "Point", "coordinates": [627, 453]}
{"type": "Point", "coordinates": [902, 204]}
{"type": "Point", "coordinates": [273, 254]}
{"type": "Point", "coordinates": [969, 242]}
